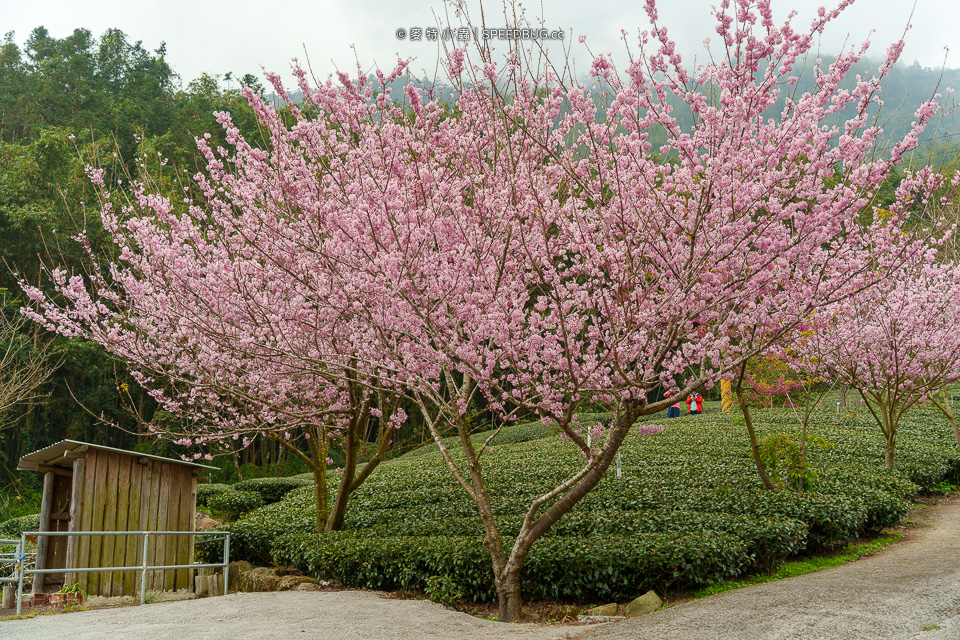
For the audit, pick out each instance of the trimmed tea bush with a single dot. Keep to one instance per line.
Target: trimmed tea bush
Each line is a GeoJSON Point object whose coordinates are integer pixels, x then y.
{"type": "Point", "coordinates": [235, 503]}
{"type": "Point", "coordinates": [207, 491]}
{"type": "Point", "coordinates": [688, 509]}
{"type": "Point", "coordinates": [273, 489]}
{"type": "Point", "coordinates": [11, 529]}
{"type": "Point", "coordinates": [598, 569]}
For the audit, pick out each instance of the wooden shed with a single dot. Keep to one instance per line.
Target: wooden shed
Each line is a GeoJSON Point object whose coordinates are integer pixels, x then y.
{"type": "Point", "coordinates": [89, 487]}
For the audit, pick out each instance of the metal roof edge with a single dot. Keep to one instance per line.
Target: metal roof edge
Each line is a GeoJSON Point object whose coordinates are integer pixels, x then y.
{"type": "Point", "coordinates": [100, 447]}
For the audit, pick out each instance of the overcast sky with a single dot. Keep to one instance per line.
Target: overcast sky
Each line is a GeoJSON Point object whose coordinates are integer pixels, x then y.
{"type": "Point", "coordinates": [241, 36]}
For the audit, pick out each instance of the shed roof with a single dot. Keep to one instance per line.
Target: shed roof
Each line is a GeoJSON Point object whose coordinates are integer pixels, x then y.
{"type": "Point", "coordinates": [57, 455]}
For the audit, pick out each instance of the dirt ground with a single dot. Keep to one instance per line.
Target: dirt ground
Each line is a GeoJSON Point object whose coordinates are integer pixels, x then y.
{"type": "Point", "coordinates": [909, 590]}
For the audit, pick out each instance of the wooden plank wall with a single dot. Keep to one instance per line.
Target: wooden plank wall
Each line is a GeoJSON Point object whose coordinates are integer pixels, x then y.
{"type": "Point", "coordinates": [73, 544]}
{"type": "Point", "coordinates": [46, 503]}
{"type": "Point", "coordinates": [131, 493]}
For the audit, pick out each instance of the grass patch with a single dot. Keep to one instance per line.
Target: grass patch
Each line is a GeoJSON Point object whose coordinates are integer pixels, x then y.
{"type": "Point", "coordinates": [850, 553]}
{"type": "Point", "coordinates": [22, 616]}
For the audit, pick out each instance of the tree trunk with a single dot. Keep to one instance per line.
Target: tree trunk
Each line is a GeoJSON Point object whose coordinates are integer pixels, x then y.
{"type": "Point", "coordinates": [337, 514]}
{"type": "Point", "coordinates": [889, 426]}
{"type": "Point", "coordinates": [508, 579]}
{"type": "Point", "coordinates": [319, 454]}
{"type": "Point", "coordinates": [946, 406]}
{"type": "Point", "coordinates": [509, 602]}
{"type": "Point", "coordinates": [889, 450]}
{"type": "Point", "coordinates": [754, 446]}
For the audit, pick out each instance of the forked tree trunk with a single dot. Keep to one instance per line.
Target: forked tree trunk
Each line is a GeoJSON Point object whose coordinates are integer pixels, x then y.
{"type": "Point", "coordinates": [507, 574]}
{"type": "Point", "coordinates": [886, 416]}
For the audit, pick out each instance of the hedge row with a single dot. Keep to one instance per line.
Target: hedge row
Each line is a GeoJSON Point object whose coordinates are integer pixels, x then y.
{"type": "Point", "coordinates": [584, 569]}
{"type": "Point", "coordinates": [207, 491]}
{"type": "Point", "coordinates": [693, 482]}
{"type": "Point", "coordinates": [11, 529]}
{"type": "Point", "coordinates": [273, 489]}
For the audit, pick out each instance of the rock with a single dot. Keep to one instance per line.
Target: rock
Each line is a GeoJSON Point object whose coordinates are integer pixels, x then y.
{"type": "Point", "coordinates": [603, 610]}
{"type": "Point", "coordinates": [259, 579]}
{"type": "Point", "coordinates": [529, 615]}
{"type": "Point", "coordinates": [585, 619]}
{"type": "Point", "coordinates": [236, 570]}
{"type": "Point", "coordinates": [309, 587]}
{"type": "Point", "coordinates": [293, 582]}
{"type": "Point", "coordinates": [646, 603]}
{"type": "Point", "coordinates": [561, 612]}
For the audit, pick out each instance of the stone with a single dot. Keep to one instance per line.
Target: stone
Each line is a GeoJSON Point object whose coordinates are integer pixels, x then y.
{"type": "Point", "coordinates": [561, 613]}
{"type": "Point", "coordinates": [309, 587]}
{"type": "Point", "coordinates": [529, 615]}
{"type": "Point", "coordinates": [293, 582]}
{"type": "Point", "coordinates": [647, 603]}
{"type": "Point", "coordinates": [585, 619]}
{"type": "Point", "coordinates": [259, 579]}
{"type": "Point", "coordinates": [603, 610]}
{"type": "Point", "coordinates": [235, 570]}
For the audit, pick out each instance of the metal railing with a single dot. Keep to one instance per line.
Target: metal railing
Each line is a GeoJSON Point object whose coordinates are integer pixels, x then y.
{"type": "Point", "coordinates": [10, 558]}
{"type": "Point", "coordinates": [22, 571]}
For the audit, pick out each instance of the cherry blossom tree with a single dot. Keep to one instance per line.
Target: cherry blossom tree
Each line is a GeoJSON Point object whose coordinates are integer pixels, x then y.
{"type": "Point", "coordinates": [896, 344]}
{"type": "Point", "coordinates": [548, 257]}
{"type": "Point", "coordinates": [216, 313]}
{"type": "Point", "coordinates": [526, 246]}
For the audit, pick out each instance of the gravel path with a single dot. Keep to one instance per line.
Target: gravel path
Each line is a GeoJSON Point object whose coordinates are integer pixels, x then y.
{"type": "Point", "coordinates": [894, 594]}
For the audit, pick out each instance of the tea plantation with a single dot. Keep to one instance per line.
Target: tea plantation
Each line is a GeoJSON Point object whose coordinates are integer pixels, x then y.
{"type": "Point", "coordinates": [687, 511]}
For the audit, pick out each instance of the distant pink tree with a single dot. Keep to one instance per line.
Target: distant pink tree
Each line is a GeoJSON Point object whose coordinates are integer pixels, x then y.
{"type": "Point", "coordinates": [896, 344]}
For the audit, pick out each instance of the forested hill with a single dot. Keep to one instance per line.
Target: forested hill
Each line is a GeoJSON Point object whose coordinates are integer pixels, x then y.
{"type": "Point", "coordinates": [65, 102]}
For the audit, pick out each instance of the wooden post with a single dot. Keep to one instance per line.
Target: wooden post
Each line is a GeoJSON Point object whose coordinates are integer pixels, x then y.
{"type": "Point", "coordinates": [45, 503]}
{"type": "Point", "coordinates": [9, 597]}
{"type": "Point", "coordinates": [163, 506]}
{"type": "Point", "coordinates": [213, 585]}
{"type": "Point", "coordinates": [122, 524]}
{"type": "Point", "coordinates": [134, 552]}
{"type": "Point", "coordinates": [200, 586]}
{"type": "Point", "coordinates": [110, 523]}
{"type": "Point", "coordinates": [98, 580]}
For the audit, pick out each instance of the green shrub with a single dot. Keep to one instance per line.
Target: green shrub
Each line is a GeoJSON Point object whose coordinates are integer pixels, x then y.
{"type": "Point", "coordinates": [273, 489]}
{"type": "Point", "coordinates": [443, 590]}
{"type": "Point", "coordinates": [585, 569]}
{"type": "Point", "coordinates": [235, 503]}
{"type": "Point", "coordinates": [206, 491]}
{"type": "Point", "coordinates": [11, 529]}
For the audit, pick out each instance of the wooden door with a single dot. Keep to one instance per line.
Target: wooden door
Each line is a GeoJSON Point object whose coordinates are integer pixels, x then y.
{"type": "Point", "coordinates": [56, 556]}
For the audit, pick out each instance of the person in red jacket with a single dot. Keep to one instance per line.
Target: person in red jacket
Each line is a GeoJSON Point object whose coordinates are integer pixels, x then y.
{"type": "Point", "coordinates": [695, 403]}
